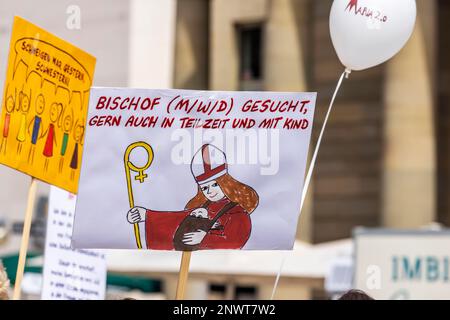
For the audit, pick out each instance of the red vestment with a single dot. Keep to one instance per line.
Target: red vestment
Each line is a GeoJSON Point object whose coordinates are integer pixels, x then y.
{"type": "Point", "coordinates": [160, 227]}
{"type": "Point", "coordinates": [6, 125]}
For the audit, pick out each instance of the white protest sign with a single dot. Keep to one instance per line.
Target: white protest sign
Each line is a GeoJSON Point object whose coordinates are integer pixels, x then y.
{"type": "Point", "coordinates": [403, 265]}
{"type": "Point", "coordinates": [189, 170]}
{"type": "Point", "coordinates": [69, 274]}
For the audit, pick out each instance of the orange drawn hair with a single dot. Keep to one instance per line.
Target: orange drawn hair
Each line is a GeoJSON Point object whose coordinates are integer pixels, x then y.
{"type": "Point", "coordinates": [234, 190]}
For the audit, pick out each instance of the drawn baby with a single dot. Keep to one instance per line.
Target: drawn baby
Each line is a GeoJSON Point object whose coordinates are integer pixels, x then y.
{"type": "Point", "coordinates": [203, 213]}
{"type": "Point", "coordinates": [200, 213]}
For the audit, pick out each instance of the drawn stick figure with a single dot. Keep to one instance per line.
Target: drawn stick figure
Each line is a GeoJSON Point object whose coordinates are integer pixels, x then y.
{"type": "Point", "coordinates": [78, 137]}
{"type": "Point", "coordinates": [9, 107]}
{"type": "Point", "coordinates": [67, 126]}
{"type": "Point", "coordinates": [55, 113]}
{"type": "Point", "coordinates": [36, 124]}
{"type": "Point", "coordinates": [24, 107]}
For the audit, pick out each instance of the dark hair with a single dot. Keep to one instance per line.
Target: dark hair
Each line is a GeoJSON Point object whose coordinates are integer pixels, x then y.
{"type": "Point", "coordinates": [355, 295]}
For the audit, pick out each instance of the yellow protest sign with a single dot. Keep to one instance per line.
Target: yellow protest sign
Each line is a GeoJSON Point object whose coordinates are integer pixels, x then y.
{"type": "Point", "coordinates": [45, 105]}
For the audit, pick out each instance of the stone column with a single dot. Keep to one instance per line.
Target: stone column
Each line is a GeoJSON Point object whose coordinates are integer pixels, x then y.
{"type": "Point", "coordinates": [151, 43]}
{"type": "Point", "coordinates": [284, 65]}
{"type": "Point", "coordinates": [225, 15]}
{"type": "Point", "coordinates": [191, 45]}
{"type": "Point", "coordinates": [285, 69]}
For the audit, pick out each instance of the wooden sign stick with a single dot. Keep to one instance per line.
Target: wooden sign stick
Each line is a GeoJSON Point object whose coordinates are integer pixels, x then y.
{"type": "Point", "coordinates": [183, 275]}
{"type": "Point", "coordinates": [25, 238]}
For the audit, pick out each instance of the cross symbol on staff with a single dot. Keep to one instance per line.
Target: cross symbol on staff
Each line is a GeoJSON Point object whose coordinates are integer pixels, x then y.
{"type": "Point", "coordinates": [130, 167]}
{"type": "Point", "coordinates": [141, 177]}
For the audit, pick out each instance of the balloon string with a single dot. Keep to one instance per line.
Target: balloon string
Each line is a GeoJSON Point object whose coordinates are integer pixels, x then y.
{"type": "Point", "coordinates": [319, 140]}
{"type": "Point", "coordinates": [312, 164]}
{"type": "Point", "coordinates": [275, 286]}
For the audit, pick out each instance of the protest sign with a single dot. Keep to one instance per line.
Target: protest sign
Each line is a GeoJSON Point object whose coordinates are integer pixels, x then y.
{"type": "Point", "coordinates": [69, 274]}
{"type": "Point", "coordinates": [44, 106]}
{"type": "Point", "coordinates": [43, 116]}
{"type": "Point", "coordinates": [192, 170]}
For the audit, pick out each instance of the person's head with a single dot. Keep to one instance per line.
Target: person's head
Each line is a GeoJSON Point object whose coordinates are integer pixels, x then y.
{"type": "Point", "coordinates": [55, 111]}
{"type": "Point", "coordinates": [9, 104]}
{"type": "Point", "coordinates": [10, 99]}
{"type": "Point", "coordinates": [355, 295]}
{"type": "Point", "coordinates": [68, 122]}
{"type": "Point", "coordinates": [210, 171]}
{"type": "Point", "coordinates": [66, 119]}
{"type": "Point", "coordinates": [211, 190]}
{"type": "Point", "coordinates": [40, 104]}
{"type": "Point", "coordinates": [78, 132]}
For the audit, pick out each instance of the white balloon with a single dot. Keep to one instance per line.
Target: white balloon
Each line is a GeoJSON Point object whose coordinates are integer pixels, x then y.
{"type": "Point", "coordinates": [366, 33]}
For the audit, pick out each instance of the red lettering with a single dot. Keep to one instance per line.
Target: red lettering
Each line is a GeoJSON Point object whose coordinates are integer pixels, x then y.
{"type": "Point", "coordinates": [247, 105]}
{"type": "Point", "coordinates": [101, 102]}
{"type": "Point", "coordinates": [105, 121]}
{"type": "Point", "coordinates": [128, 103]}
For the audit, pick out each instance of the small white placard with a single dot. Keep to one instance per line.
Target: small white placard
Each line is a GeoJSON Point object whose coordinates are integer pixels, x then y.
{"type": "Point", "coordinates": [69, 274]}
